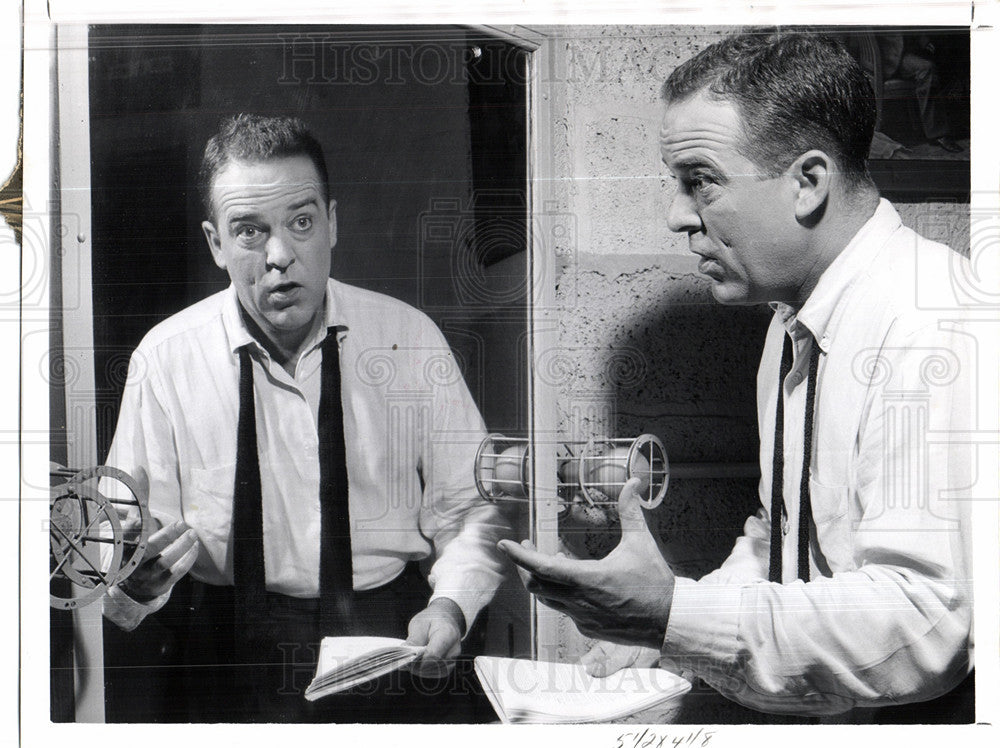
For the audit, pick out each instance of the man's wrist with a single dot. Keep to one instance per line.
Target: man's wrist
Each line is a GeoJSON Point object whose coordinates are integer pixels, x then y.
{"type": "Point", "coordinates": [450, 608]}
{"type": "Point", "coordinates": [658, 631]}
{"type": "Point", "coordinates": [135, 594]}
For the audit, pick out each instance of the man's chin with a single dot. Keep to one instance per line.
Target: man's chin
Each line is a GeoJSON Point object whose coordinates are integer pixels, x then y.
{"type": "Point", "coordinates": [290, 320]}
{"type": "Point", "coordinates": [727, 294]}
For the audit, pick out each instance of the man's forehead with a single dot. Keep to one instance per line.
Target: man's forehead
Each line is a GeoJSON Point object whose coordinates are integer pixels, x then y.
{"type": "Point", "coordinates": [264, 182]}
{"type": "Point", "coordinates": [698, 126]}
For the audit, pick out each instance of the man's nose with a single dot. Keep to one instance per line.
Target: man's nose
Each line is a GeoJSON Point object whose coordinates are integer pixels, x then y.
{"type": "Point", "coordinates": [278, 253]}
{"type": "Point", "coordinates": [682, 213]}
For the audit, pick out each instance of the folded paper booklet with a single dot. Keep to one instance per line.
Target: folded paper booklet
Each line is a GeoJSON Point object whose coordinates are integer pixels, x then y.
{"type": "Point", "coordinates": [555, 693]}
{"type": "Point", "coordinates": [348, 661]}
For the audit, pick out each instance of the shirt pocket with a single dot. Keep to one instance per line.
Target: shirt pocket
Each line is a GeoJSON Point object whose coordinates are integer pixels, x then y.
{"type": "Point", "coordinates": [833, 526]}
{"type": "Point", "coordinates": [207, 502]}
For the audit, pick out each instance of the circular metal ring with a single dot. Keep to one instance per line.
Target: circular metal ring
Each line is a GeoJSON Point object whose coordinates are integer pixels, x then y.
{"type": "Point", "coordinates": [73, 548]}
{"type": "Point", "coordinates": [139, 543]}
{"type": "Point", "coordinates": [655, 451]}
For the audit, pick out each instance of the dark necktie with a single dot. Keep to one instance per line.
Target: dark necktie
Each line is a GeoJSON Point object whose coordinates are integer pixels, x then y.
{"type": "Point", "coordinates": [335, 572]}
{"type": "Point", "coordinates": [778, 466]}
{"type": "Point", "coordinates": [248, 518]}
{"type": "Point", "coordinates": [805, 500]}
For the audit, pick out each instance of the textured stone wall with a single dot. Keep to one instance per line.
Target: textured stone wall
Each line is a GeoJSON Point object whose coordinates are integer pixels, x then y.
{"type": "Point", "coordinates": [643, 346]}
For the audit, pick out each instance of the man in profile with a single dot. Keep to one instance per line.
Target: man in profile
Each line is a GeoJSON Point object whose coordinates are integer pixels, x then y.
{"type": "Point", "coordinates": [851, 585]}
{"type": "Point", "coordinates": [291, 478]}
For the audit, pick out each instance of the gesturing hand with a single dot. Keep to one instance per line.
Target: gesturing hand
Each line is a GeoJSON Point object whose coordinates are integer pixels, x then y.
{"type": "Point", "coordinates": [438, 627]}
{"type": "Point", "coordinates": [624, 597]}
{"type": "Point", "coordinates": [170, 554]}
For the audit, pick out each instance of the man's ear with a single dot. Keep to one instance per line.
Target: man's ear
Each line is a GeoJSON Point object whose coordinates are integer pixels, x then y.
{"type": "Point", "coordinates": [214, 243]}
{"type": "Point", "coordinates": [813, 174]}
{"type": "Point", "coordinates": [332, 222]}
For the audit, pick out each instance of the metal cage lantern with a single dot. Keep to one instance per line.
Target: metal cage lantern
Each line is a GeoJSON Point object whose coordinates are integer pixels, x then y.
{"type": "Point", "coordinates": [593, 471]}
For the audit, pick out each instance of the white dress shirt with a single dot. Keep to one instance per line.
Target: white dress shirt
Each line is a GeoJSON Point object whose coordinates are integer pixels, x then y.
{"type": "Point", "coordinates": [886, 616]}
{"type": "Point", "coordinates": [411, 431]}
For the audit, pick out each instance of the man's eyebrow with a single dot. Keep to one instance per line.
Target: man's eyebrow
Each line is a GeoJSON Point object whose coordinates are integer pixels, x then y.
{"type": "Point", "coordinates": [249, 214]}
{"type": "Point", "coordinates": [693, 161]}
{"type": "Point", "coordinates": [242, 215]}
{"type": "Point", "coordinates": [311, 200]}
{"type": "Point", "coordinates": [684, 166]}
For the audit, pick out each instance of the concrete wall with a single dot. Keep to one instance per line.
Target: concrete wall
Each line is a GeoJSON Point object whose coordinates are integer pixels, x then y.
{"type": "Point", "coordinates": [643, 346]}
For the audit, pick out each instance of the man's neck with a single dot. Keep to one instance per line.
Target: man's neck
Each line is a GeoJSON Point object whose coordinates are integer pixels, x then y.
{"type": "Point", "coordinates": [285, 350]}
{"type": "Point", "coordinates": [833, 235]}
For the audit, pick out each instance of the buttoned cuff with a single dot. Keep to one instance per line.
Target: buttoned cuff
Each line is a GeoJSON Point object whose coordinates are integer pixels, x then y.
{"type": "Point", "coordinates": [127, 613]}
{"type": "Point", "coordinates": [703, 628]}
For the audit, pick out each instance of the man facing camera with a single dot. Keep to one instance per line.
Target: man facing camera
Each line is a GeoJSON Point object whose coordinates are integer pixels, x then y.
{"type": "Point", "coordinates": [304, 449]}
{"type": "Point", "coordinates": [851, 585]}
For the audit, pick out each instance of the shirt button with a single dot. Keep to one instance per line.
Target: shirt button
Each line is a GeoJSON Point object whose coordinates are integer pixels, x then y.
{"type": "Point", "coordinates": [796, 378]}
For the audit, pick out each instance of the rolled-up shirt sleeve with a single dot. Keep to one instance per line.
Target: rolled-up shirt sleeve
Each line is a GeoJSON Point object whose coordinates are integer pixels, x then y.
{"type": "Point", "coordinates": [143, 447]}
{"type": "Point", "coordinates": [463, 527]}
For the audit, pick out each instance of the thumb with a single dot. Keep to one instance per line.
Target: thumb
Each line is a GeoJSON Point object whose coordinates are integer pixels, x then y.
{"type": "Point", "coordinates": [595, 661]}
{"type": "Point", "coordinates": [607, 658]}
{"type": "Point", "coordinates": [630, 508]}
{"type": "Point", "coordinates": [141, 484]}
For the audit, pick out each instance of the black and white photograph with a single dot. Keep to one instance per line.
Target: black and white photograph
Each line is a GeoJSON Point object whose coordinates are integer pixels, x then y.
{"type": "Point", "coordinates": [638, 375]}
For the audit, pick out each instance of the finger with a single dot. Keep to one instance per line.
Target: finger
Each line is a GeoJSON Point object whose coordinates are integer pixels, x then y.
{"type": "Point", "coordinates": [435, 649]}
{"type": "Point", "coordinates": [596, 668]}
{"type": "Point", "coordinates": [629, 508]}
{"type": "Point", "coordinates": [183, 565]}
{"type": "Point", "coordinates": [525, 576]}
{"type": "Point", "coordinates": [416, 638]}
{"type": "Point", "coordinates": [561, 570]}
{"type": "Point", "coordinates": [441, 642]}
{"type": "Point", "coordinates": [141, 483]}
{"type": "Point", "coordinates": [443, 645]}
{"type": "Point", "coordinates": [572, 605]}
{"type": "Point", "coordinates": [559, 605]}
{"type": "Point", "coordinates": [540, 586]}
{"type": "Point", "coordinates": [128, 518]}
{"type": "Point", "coordinates": [646, 657]}
{"type": "Point", "coordinates": [521, 555]}
{"type": "Point", "coordinates": [594, 661]}
{"type": "Point", "coordinates": [432, 667]}
{"type": "Point", "coordinates": [163, 537]}
{"type": "Point", "coordinates": [160, 578]}
{"type": "Point", "coordinates": [619, 656]}
{"type": "Point", "coordinates": [418, 630]}
{"type": "Point", "coordinates": [131, 524]}
{"type": "Point", "coordinates": [170, 555]}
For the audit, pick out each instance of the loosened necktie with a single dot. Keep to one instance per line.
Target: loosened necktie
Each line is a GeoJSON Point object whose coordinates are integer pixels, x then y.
{"type": "Point", "coordinates": [335, 569]}
{"type": "Point", "coordinates": [778, 466]}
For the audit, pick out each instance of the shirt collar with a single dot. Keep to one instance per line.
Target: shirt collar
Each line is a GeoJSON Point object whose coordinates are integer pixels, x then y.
{"type": "Point", "coordinates": [239, 335]}
{"type": "Point", "coordinates": [823, 309]}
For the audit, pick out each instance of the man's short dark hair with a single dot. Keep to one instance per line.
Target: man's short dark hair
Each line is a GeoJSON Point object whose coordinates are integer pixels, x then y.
{"type": "Point", "coordinates": [255, 137]}
{"type": "Point", "coordinates": [795, 92]}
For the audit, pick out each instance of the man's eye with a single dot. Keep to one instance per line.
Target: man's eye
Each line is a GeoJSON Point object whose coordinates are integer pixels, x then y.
{"type": "Point", "coordinates": [248, 233]}
{"type": "Point", "coordinates": [699, 183]}
{"type": "Point", "coordinates": [303, 223]}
